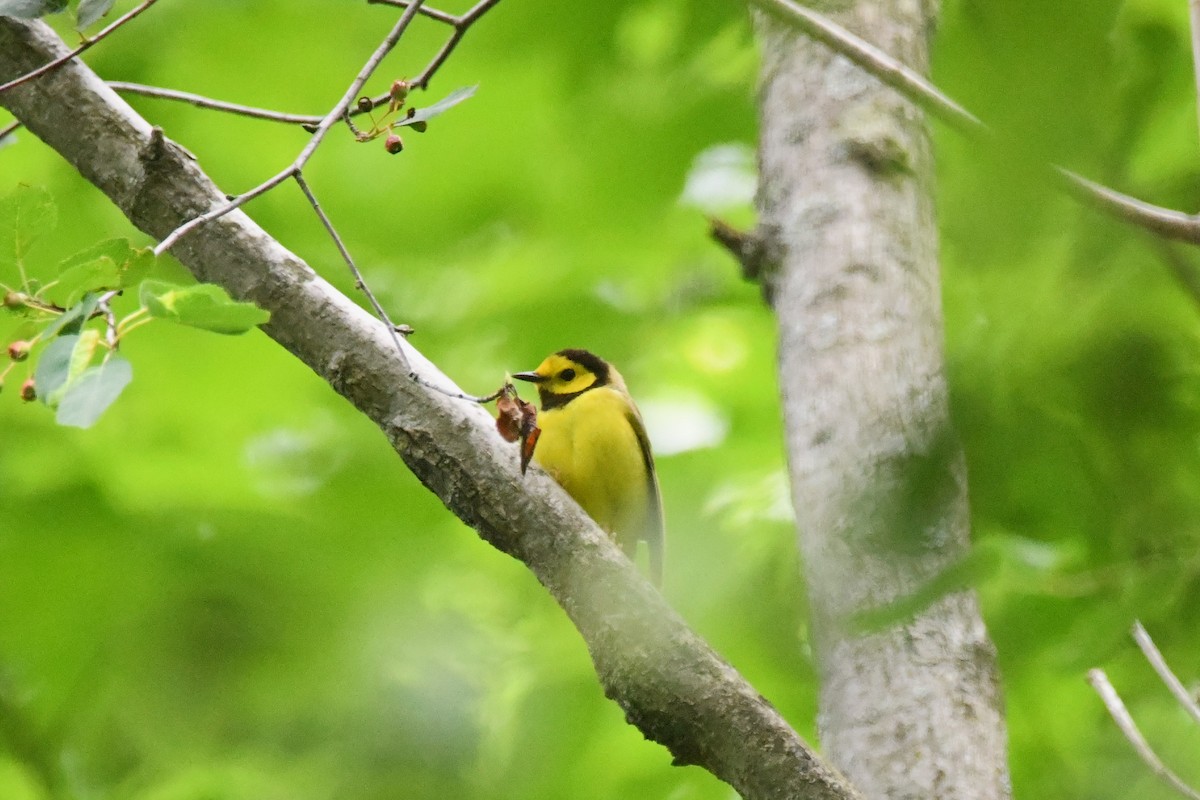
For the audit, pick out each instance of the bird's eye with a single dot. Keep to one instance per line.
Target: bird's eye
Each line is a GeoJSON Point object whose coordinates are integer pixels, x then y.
{"type": "Point", "coordinates": [567, 375]}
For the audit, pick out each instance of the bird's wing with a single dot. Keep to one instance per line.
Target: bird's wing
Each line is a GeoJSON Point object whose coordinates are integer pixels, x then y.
{"type": "Point", "coordinates": [653, 530]}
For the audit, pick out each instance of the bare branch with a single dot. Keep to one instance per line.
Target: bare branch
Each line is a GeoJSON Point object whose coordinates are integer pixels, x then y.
{"type": "Point", "coordinates": [1123, 719]}
{"type": "Point", "coordinates": [432, 13]}
{"type": "Point", "coordinates": [237, 202]}
{"type": "Point", "coordinates": [1164, 672]}
{"type": "Point", "coordinates": [336, 113]}
{"type": "Point", "coordinates": [461, 26]}
{"type": "Point", "coordinates": [393, 329]}
{"type": "Point", "coordinates": [87, 43]}
{"type": "Point", "coordinates": [216, 105]}
{"type": "Point", "coordinates": [1165, 222]}
{"type": "Point", "coordinates": [1162, 221]}
{"type": "Point", "coordinates": [750, 248]}
{"type": "Point", "coordinates": [878, 63]}
{"type": "Point", "coordinates": [358, 278]}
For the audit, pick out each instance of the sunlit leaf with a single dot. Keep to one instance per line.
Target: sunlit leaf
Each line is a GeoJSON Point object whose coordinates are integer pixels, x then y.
{"type": "Point", "coordinates": [204, 306]}
{"type": "Point", "coordinates": [82, 354]}
{"type": "Point", "coordinates": [133, 264]}
{"type": "Point", "coordinates": [91, 276]}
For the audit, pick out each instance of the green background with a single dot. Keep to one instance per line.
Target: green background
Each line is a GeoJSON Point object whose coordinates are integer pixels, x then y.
{"type": "Point", "coordinates": [231, 588]}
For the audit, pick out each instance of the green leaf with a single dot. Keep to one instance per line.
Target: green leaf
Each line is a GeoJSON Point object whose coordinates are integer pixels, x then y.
{"type": "Point", "coordinates": [91, 10]}
{"type": "Point", "coordinates": [82, 353]}
{"type": "Point", "coordinates": [73, 319]}
{"type": "Point", "coordinates": [53, 368]}
{"type": "Point", "coordinates": [26, 215]}
{"type": "Point", "coordinates": [206, 306]}
{"type": "Point", "coordinates": [91, 276]}
{"type": "Point", "coordinates": [440, 107]}
{"type": "Point", "coordinates": [133, 263]}
{"type": "Point", "coordinates": [137, 267]}
{"type": "Point", "coordinates": [28, 9]}
{"type": "Point", "coordinates": [119, 250]}
{"type": "Point", "coordinates": [94, 391]}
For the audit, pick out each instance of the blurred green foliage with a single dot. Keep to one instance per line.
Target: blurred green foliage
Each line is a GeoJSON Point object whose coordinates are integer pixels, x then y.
{"type": "Point", "coordinates": [230, 587]}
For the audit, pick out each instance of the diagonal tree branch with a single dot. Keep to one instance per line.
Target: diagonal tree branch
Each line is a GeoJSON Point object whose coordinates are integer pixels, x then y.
{"type": "Point", "coordinates": [1162, 221]}
{"type": "Point", "coordinates": [669, 682]}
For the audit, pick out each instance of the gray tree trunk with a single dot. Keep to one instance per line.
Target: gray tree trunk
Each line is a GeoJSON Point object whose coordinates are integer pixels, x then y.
{"type": "Point", "coordinates": [910, 707]}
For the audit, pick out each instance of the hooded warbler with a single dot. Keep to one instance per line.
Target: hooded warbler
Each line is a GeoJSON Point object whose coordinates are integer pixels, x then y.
{"type": "Point", "coordinates": [593, 442]}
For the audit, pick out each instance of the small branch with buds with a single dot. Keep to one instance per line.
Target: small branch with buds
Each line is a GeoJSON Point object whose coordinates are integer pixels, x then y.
{"type": "Point", "coordinates": [460, 24]}
{"type": "Point", "coordinates": [396, 99]}
{"type": "Point", "coordinates": [336, 113]}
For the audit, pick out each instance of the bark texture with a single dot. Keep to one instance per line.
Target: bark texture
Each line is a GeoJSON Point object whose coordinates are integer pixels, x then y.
{"type": "Point", "coordinates": [669, 682]}
{"type": "Point", "coordinates": [909, 708]}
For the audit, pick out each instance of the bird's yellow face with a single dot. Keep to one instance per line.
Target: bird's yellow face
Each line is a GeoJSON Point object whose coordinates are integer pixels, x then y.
{"type": "Point", "coordinates": [562, 375]}
{"type": "Point", "coordinates": [565, 375]}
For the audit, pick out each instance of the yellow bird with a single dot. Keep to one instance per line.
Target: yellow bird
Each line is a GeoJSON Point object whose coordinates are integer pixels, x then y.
{"type": "Point", "coordinates": [593, 442]}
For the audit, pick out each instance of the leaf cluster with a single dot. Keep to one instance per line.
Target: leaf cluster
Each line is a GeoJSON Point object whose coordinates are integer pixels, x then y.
{"type": "Point", "coordinates": [67, 329]}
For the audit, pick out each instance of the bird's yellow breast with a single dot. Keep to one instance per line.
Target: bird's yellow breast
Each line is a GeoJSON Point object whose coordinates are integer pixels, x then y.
{"type": "Point", "coordinates": [589, 446]}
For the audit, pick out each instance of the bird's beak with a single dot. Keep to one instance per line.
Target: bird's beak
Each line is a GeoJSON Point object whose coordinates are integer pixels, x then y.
{"type": "Point", "coordinates": [532, 377]}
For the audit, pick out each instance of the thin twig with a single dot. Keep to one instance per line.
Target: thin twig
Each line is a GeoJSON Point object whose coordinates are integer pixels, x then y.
{"type": "Point", "coordinates": [1165, 222]}
{"type": "Point", "coordinates": [310, 122]}
{"type": "Point", "coordinates": [220, 211]}
{"type": "Point", "coordinates": [361, 284]}
{"type": "Point", "coordinates": [1162, 221]}
{"type": "Point", "coordinates": [58, 62]}
{"type": "Point", "coordinates": [8, 129]}
{"type": "Point", "coordinates": [1123, 719]}
{"type": "Point", "coordinates": [890, 70]}
{"type": "Point", "coordinates": [1157, 661]}
{"type": "Point", "coordinates": [217, 105]}
{"type": "Point", "coordinates": [104, 308]}
{"type": "Point", "coordinates": [432, 13]}
{"type": "Point", "coordinates": [327, 122]}
{"type": "Point", "coordinates": [358, 278]}
{"type": "Point", "coordinates": [461, 26]}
